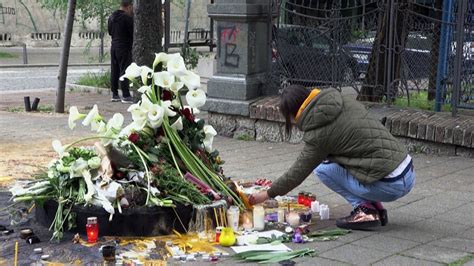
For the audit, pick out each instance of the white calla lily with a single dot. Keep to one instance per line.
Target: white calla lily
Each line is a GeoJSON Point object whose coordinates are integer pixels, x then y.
{"type": "Point", "coordinates": [166, 106]}
{"type": "Point", "coordinates": [131, 72]}
{"type": "Point", "coordinates": [176, 66]}
{"type": "Point", "coordinates": [196, 98]}
{"type": "Point", "coordinates": [176, 86]}
{"type": "Point", "coordinates": [178, 124]}
{"type": "Point", "coordinates": [74, 115]}
{"type": "Point", "coordinates": [146, 73]}
{"type": "Point", "coordinates": [191, 80]}
{"type": "Point", "coordinates": [145, 103]}
{"type": "Point", "coordinates": [115, 122]}
{"type": "Point", "coordinates": [92, 115]}
{"type": "Point", "coordinates": [144, 89]}
{"type": "Point", "coordinates": [155, 116]}
{"type": "Point", "coordinates": [209, 132]}
{"type": "Point", "coordinates": [98, 126]}
{"type": "Point", "coordinates": [138, 114]}
{"type": "Point", "coordinates": [77, 168]}
{"type": "Point", "coordinates": [176, 103]}
{"type": "Point", "coordinates": [160, 58]}
{"type": "Point", "coordinates": [58, 147]}
{"type": "Point", "coordinates": [164, 79]}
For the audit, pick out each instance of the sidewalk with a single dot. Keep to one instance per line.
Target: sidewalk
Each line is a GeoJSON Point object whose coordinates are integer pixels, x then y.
{"type": "Point", "coordinates": [432, 225]}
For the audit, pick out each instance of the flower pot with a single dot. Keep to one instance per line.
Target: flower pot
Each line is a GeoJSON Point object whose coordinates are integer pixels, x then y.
{"type": "Point", "coordinates": [137, 221]}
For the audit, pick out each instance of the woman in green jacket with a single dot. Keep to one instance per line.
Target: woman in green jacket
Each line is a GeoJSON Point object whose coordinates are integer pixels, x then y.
{"type": "Point", "coordinates": [351, 152]}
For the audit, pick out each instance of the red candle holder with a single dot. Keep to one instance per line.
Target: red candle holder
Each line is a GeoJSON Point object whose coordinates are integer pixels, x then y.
{"type": "Point", "coordinates": [301, 197]}
{"type": "Point", "coordinates": [92, 230]}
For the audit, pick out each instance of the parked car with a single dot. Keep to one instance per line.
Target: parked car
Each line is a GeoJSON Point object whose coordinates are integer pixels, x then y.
{"type": "Point", "coordinates": [308, 56]}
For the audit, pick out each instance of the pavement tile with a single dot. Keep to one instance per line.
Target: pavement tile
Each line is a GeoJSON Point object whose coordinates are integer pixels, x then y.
{"type": "Point", "coordinates": [461, 244]}
{"type": "Point", "coordinates": [462, 215]}
{"type": "Point", "coordinates": [317, 261]}
{"type": "Point", "coordinates": [425, 230]}
{"type": "Point", "coordinates": [385, 242]}
{"type": "Point", "coordinates": [355, 254]}
{"type": "Point", "coordinates": [469, 234]}
{"type": "Point", "coordinates": [398, 217]}
{"type": "Point", "coordinates": [434, 253]}
{"type": "Point", "coordinates": [402, 260]}
{"type": "Point", "coordinates": [431, 206]}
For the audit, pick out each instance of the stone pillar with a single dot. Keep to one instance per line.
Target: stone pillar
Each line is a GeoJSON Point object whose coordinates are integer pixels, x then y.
{"type": "Point", "coordinates": [242, 55]}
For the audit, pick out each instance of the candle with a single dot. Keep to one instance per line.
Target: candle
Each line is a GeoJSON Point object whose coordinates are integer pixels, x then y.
{"type": "Point", "coordinates": [258, 218]}
{"type": "Point", "coordinates": [247, 220]}
{"type": "Point", "coordinates": [301, 198]}
{"type": "Point", "coordinates": [315, 206]}
{"type": "Point", "coordinates": [293, 219]}
{"type": "Point", "coordinates": [233, 218]}
{"type": "Point", "coordinates": [92, 229]}
{"type": "Point", "coordinates": [324, 212]}
{"type": "Point", "coordinates": [281, 215]}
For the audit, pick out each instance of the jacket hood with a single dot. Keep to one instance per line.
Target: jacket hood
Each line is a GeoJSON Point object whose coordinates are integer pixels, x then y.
{"type": "Point", "coordinates": [117, 15]}
{"type": "Point", "coordinates": [322, 110]}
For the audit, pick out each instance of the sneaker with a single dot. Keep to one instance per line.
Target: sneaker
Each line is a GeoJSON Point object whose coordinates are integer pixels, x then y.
{"type": "Point", "coordinates": [382, 213]}
{"type": "Point", "coordinates": [115, 98]}
{"type": "Point", "coordinates": [361, 218]}
{"type": "Point", "coordinates": [127, 100]}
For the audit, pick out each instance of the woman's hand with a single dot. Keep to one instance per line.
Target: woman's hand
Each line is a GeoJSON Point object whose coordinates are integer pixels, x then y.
{"type": "Point", "coordinates": [258, 197]}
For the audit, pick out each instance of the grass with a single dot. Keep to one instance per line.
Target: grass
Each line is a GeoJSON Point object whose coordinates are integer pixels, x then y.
{"type": "Point", "coordinates": [245, 137]}
{"type": "Point", "coordinates": [7, 55]}
{"type": "Point", "coordinates": [100, 80]}
{"type": "Point", "coordinates": [46, 108]}
{"type": "Point", "coordinates": [420, 100]}
{"type": "Point", "coordinates": [462, 260]}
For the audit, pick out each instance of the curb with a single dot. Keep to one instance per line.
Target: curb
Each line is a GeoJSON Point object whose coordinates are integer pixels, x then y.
{"type": "Point", "coordinates": [50, 65]}
{"type": "Point", "coordinates": [83, 88]}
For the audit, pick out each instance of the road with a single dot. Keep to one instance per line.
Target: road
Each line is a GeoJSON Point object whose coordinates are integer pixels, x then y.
{"type": "Point", "coordinates": [39, 78]}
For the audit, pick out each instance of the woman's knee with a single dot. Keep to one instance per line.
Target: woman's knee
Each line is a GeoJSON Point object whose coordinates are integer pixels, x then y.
{"type": "Point", "coordinates": [325, 170]}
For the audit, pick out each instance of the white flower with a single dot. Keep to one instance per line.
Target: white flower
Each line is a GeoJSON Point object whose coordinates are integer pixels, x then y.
{"type": "Point", "coordinates": [146, 73]}
{"type": "Point", "coordinates": [164, 79]}
{"type": "Point", "coordinates": [115, 122]}
{"type": "Point", "coordinates": [98, 126]}
{"type": "Point", "coordinates": [137, 112]}
{"type": "Point", "coordinates": [176, 86]}
{"type": "Point", "coordinates": [155, 116]}
{"type": "Point", "coordinates": [144, 89]}
{"type": "Point", "coordinates": [145, 103]}
{"type": "Point", "coordinates": [178, 125]}
{"type": "Point", "coordinates": [58, 147]}
{"type": "Point", "coordinates": [74, 115]}
{"type": "Point", "coordinates": [191, 80]}
{"type": "Point", "coordinates": [176, 103]}
{"type": "Point", "coordinates": [166, 106]}
{"type": "Point", "coordinates": [93, 162]}
{"type": "Point", "coordinates": [196, 98]}
{"type": "Point", "coordinates": [210, 132]}
{"type": "Point", "coordinates": [160, 58]}
{"type": "Point", "coordinates": [77, 168]}
{"type": "Point", "coordinates": [131, 72]}
{"type": "Point", "coordinates": [92, 115]}
{"type": "Point", "coordinates": [176, 65]}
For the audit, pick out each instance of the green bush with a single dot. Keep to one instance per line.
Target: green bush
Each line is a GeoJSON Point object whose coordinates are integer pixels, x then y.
{"type": "Point", "coordinates": [419, 100]}
{"type": "Point", "coordinates": [100, 80]}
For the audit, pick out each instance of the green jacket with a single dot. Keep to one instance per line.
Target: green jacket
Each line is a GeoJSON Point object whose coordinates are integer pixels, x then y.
{"type": "Point", "coordinates": [340, 129]}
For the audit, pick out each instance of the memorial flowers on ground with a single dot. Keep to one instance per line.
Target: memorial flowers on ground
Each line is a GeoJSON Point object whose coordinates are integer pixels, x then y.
{"type": "Point", "coordinates": [147, 162]}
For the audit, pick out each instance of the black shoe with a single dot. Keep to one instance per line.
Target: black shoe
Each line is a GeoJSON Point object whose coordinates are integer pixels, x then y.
{"type": "Point", "coordinates": [127, 100]}
{"type": "Point", "coordinates": [383, 217]}
{"type": "Point", "coordinates": [361, 218]}
{"type": "Point", "coordinates": [115, 98]}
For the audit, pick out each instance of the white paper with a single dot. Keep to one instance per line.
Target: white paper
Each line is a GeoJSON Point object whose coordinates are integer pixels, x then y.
{"type": "Point", "coordinates": [251, 238]}
{"type": "Point", "coordinates": [265, 247]}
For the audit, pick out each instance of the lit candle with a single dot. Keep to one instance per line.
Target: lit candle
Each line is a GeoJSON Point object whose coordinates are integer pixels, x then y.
{"type": "Point", "coordinates": [92, 229]}
{"type": "Point", "coordinates": [258, 218]}
{"type": "Point", "coordinates": [247, 220]}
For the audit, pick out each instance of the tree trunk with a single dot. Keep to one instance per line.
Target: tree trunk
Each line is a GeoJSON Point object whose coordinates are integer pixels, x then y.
{"type": "Point", "coordinates": [146, 32]}
{"type": "Point", "coordinates": [62, 75]}
{"type": "Point", "coordinates": [435, 43]}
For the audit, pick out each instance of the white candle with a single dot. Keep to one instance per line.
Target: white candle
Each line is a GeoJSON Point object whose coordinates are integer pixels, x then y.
{"type": "Point", "coordinates": [247, 220]}
{"type": "Point", "coordinates": [281, 215]}
{"type": "Point", "coordinates": [293, 219]}
{"type": "Point", "coordinates": [258, 218]}
{"type": "Point", "coordinates": [233, 218]}
{"type": "Point", "coordinates": [324, 212]}
{"type": "Point", "coordinates": [315, 206]}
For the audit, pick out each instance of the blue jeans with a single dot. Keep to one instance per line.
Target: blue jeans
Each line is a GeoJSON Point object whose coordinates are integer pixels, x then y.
{"type": "Point", "coordinates": [339, 180]}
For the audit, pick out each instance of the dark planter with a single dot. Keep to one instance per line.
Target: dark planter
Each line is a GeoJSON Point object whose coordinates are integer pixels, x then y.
{"type": "Point", "coordinates": [139, 221]}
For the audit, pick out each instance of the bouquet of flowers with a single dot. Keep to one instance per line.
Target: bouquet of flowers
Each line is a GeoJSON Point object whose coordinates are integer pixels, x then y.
{"type": "Point", "coordinates": [163, 157]}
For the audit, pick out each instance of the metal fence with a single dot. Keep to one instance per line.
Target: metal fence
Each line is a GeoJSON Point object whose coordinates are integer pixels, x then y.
{"type": "Point", "coordinates": [383, 50]}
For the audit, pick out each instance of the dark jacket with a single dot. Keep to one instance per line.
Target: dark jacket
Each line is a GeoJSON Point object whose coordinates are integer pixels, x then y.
{"type": "Point", "coordinates": [120, 27]}
{"type": "Point", "coordinates": [340, 129]}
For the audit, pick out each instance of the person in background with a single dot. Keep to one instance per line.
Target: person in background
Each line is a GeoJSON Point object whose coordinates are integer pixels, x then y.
{"type": "Point", "coordinates": [351, 152]}
{"type": "Point", "coordinates": [120, 27]}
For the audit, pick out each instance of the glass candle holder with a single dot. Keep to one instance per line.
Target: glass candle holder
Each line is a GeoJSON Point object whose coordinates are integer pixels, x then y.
{"type": "Point", "coordinates": [247, 220]}
{"type": "Point", "coordinates": [92, 230]}
{"type": "Point", "coordinates": [258, 218]}
{"type": "Point", "coordinates": [301, 198]}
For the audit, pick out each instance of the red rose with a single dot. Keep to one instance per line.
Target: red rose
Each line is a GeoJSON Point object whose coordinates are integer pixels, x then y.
{"type": "Point", "coordinates": [134, 137]}
{"type": "Point", "coordinates": [167, 95]}
{"type": "Point", "coordinates": [188, 114]}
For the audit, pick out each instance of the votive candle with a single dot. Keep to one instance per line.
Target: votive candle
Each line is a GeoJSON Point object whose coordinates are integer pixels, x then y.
{"type": "Point", "coordinates": [92, 229]}
{"type": "Point", "coordinates": [258, 218]}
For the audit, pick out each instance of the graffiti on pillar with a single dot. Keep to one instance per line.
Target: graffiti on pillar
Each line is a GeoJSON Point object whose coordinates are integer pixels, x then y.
{"type": "Point", "coordinates": [5, 10]}
{"type": "Point", "coordinates": [228, 38]}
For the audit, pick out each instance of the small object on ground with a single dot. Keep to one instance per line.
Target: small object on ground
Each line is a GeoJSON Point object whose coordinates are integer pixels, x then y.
{"type": "Point", "coordinates": [33, 240]}
{"type": "Point", "coordinates": [108, 252]}
{"type": "Point", "coordinates": [7, 232]}
{"type": "Point", "coordinates": [34, 106]}
{"type": "Point", "coordinates": [329, 233]}
{"type": "Point", "coordinates": [315, 206]}
{"type": "Point", "coordinates": [25, 233]}
{"type": "Point", "coordinates": [293, 218]}
{"type": "Point", "coordinates": [287, 263]}
{"type": "Point", "coordinates": [324, 212]}
{"type": "Point", "coordinates": [213, 258]}
{"type": "Point", "coordinates": [45, 257]}
{"type": "Point", "coordinates": [190, 258]}
{"type": "Point", "coordinates": [272, 256]}
{"type": "Point", "coordinates": [288, 230]}
{"type": "Point", "coordinates": [176, 257]}
{"type": "Point", "coordinates": [76, 239]}
{"type": "Point", "coordinates": [306, 216]}
{"type": "Point", "coordinates": [297, 238]}
{"type": "Point", "coordinates": [38, 250]}
{"type": "Point", "coordinates": [2, 228]}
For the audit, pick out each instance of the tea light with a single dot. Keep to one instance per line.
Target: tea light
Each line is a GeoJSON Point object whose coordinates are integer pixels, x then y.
{"type": "Point", "coordinates": [293, 219]}
{"type": "Point", "coordinates": [247, 221]}
{"type": "Point", "coordinates": [258, 218]}
{"type": "Point", "coordinates": [92, 229]}
{"type": "Point", "coordinates": [281, 215]}
{"type": "Point", "coordinates": [315, 206]}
